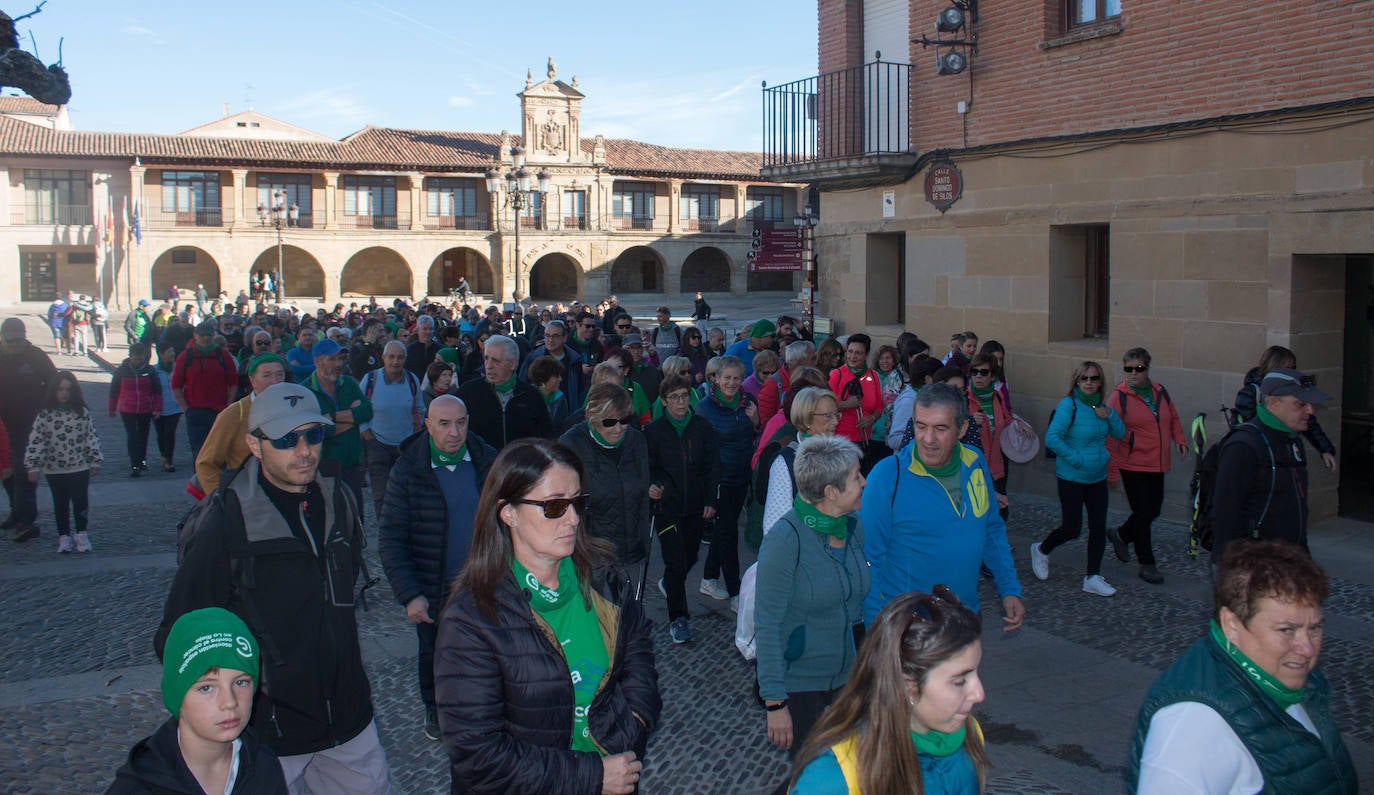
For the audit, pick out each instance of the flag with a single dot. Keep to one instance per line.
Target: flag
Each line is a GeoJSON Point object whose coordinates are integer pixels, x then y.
{"type": "Point", "coordinates": [138, 229]}
{"type": "Point", "coordinates": [100, 234]}
{"type": "Point", "coordinates": [109, 227]}
{"type": "Point", "coordinates": [124, 241]}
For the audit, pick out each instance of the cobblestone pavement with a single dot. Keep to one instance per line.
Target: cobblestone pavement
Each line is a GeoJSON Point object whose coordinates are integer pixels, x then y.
{"type": "Point", "coordinates": [78, 682]}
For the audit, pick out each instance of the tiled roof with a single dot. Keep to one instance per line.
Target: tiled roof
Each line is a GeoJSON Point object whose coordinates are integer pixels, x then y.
{"type": "Point", "coordinates": [382, 148]}
{"type": "Point", "coordinates": [25, 105]}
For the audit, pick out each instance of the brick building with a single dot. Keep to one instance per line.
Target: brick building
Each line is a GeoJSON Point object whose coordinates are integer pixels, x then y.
{"type": "Point", "coordinates": [1195, 178]}
{"type": "Point", "coordinates": [384, 211]}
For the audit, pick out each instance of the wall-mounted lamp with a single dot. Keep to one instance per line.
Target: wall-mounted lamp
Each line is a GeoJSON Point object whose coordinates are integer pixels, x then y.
{"type": "Point", "coordinates": [955, 19]}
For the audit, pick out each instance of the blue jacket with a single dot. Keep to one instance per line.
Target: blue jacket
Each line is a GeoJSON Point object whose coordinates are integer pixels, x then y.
{"type": "Point", "coordinates": [1079, 438]}
{"type": "Point", "coordinates": [915, 538]}
{"type": "Point", "coordinates": [736, 434]}
{"type": "Point", "coordinates": [940, 775]}
{"type": "Point", "coordinates": [575, 384]}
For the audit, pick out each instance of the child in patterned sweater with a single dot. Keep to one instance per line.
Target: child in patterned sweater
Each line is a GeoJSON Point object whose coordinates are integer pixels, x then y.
{"type": "Point", "coordinates": [64, 447]}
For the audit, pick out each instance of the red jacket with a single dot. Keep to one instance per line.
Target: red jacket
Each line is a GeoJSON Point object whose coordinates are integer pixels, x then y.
{"type": "Point", "coordinates": [1144, 447]}
{"type": "Point", "coordinates": [992, 440]}
{"type": "Point", "coordinates": [771, 394]}
{"type": "Point", "coordinates": [205, 378]}
{"type": "Point", "coordinates": [135, 391]}
{"type": "Point", "coordinates": [872, 402]}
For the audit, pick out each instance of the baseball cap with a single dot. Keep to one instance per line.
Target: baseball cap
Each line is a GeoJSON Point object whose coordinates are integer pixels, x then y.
{"type": "Point", "coordinates": [325, 347]}
{"type": "Point", "coordinates": [13, 329]}
{"type": "Point", "coordinates": [282, 408]}
{"type": "Point", "coordinates": [144, 302]}
{"type": "Point", "coordinates": [632, 337]}
{"type": "Point", "coordinates": [211, 637]}
{"type": "Point", "coordinates": [208, 328]}
{"type": "Point", "coordinates": [1286, 381]}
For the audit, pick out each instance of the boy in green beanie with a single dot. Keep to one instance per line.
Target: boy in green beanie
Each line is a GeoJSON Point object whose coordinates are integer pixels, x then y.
{"type": "Point", "coordinates": [209, 676]}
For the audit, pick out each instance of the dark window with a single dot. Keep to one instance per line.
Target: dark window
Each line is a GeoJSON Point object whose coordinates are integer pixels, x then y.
{"type": "Point", "coordinates": [297, 187]}
{"type": "Point", "coordinates": [532, 214]}
{"type": "Point", "coordinates": [56, 197]}
{"type": "Point", "coordinates": [1097, 280]}
{"type": "Point", "coordinates": [574, 209]}
{"type": "Point", "coordinates": [452, 198]}
{"type": "Point", "coordinates": [633, 200]}
{"type": "Point", "coordinates": [1087, 12]}
{"type": "Point", "coordinates": [763, 204]}
{"type": "Point", "coordinates": [1080, 282]}
{"type": "Point", "coordinates": [183, 256]}
{"type": "Point", "coordinates": [700, 203]}
{"type": "Point", "coordinates": [369, 197]}
{"type": "Point", "coordinates": [193, 196]}
{"type": "Point", "coordinates": [80, 257]}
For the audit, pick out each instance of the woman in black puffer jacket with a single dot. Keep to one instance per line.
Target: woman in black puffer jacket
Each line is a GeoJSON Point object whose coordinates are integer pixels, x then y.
{"type": "Point", "coordinates": [544, 669]}
{"type": "Point", "coordinates": [616, 459]}
{"type": "Point", "coordinates": [1275, 357]}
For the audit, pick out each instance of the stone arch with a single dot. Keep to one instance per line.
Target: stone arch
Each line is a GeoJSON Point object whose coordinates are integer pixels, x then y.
{"type": "Point", "coordinates": [186, 266]}
{"type": "Point", "coordinates": [708, 270]}
{"type": "Point", "coordinates": [375, 271]}
{"type": "Point", "coordinates": [302, 274]}
{"type": "Point", "coordinates": [638, 269]}
{"type": "Point", "coordinates": [460, 261]}
{"type": "Point", "coordinates": [555, 277]}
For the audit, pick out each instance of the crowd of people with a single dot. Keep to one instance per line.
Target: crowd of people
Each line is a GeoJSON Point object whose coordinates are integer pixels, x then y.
{"type": "Point", "coordinates": [525, 463]}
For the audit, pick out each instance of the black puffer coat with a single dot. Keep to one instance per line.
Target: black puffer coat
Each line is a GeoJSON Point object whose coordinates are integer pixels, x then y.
{"type": "Point", "coordinates": [687, 466]}
{"type": "Point", "coordinates": [413, 539]}
{"type": "Point", "coordinates": [1245, 407]}
{"type": "Point", "coordinates": [506, 700]}
{"type": "Point", "coordinates": [1261, 489]}
{"type": "Point", "coordinates": [618, 482]}
{"type": "Point", "coordinates": [525, 415]}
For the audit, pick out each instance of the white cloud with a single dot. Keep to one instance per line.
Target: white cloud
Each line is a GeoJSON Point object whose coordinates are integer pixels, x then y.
{"type": "Point", "coordinates": [336, 103]}
{"type": "Point", "coordinates": [137, 30]}
{"type": "Point", "coordinates": [460, 102]}
{"type": "Point", "coordinates": [721, 114]}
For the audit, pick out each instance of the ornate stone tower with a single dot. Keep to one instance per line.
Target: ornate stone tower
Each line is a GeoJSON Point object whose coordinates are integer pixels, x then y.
{"type": "Point", "coordinates": [551, 117]}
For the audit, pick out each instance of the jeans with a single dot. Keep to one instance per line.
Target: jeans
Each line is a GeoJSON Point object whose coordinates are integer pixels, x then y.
{"type": "Point", "coordinates": [69, 495]}
{"type": "Point", "coordinates": [680, 547]}
{"type": "Point", "coordinates": [79, 344]}
{"type": "Point", "coordinates": [1145, 493]}
{"type": "Point", "coordinates": [723, 557]}
{"type": "Point", "coordinates": [136, 428]}
{"type": "Point", "coordinates": [380, 458]}
{"type": "Point", "coordinates": [166, 427]}
{"type": "Point", "coordinates": [98, 334]}
{"type": "Point", "coordinates": [198, 425]}
{"type": "Point", "coordinates": [1072, 499]}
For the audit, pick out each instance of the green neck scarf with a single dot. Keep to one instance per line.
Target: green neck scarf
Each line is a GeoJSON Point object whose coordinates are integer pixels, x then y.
{"type": "Point", "coordinates": [1282, 694]}
{"type": "Point", "coordinates": [543, 598]}
{"type": "Point", "coordinates": [823, 523]}
{"type": "Point", "coordinates": [168, 367]}
{"type": "Point", "coordinates": [507, 386]}
{"type": "Point", "coordinates": [935, 743]}
{"type": "Point", "coordinates": [729, 404]}
{"type": "Point", "coordinates": [552, 397]}
{"type": "Point", "coordinates": [949, 469]}
{"type": "Point", "coordinates": [1145, 390]}
{"type": "Point", "coordinates": [1270, 420]}
{"type": "Point", "coordinates": [601, 440]}
{"type": "Point", "coordinates": [440, 458]}
{"type": "Point", "coordinates": [679, 425]}
{"type": "Point", "coordinates": [984, 398]}
{"type": "Point", "coordinates": [205, 348]}
{"type": "Point", "coordinates": [857, 372]}
{"type": "Point", "coordinates": [1089, 400]}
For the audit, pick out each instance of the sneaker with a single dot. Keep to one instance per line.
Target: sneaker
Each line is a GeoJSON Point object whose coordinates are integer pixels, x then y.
{"type": "Point", "coordinates": [83, 543]}
{"type": "Point", "coordinates": [1120, 548]}
{"type": "Point", "coordinates": [1151, 575]}
{"type": "Point", "coordinates": [680, 632]}
{"type": "Point", "coordinates": [664, 591]}
{"type": "Point", "coordinates": [168, 466]}
{"type": "Point", "coordinates": [432, 724]}
{"type": "Point", "coordinates": [135, 472]}
{"type": "Point", "coordinates": [10, 523]}
{"type": "Point", "coordinates": [64, 545]}
{"type": "Point", "coordinates": [26, 532]}
{"type": "Point", "coordinates": [1040, 562]}
{"type": "Point", "coordinates": [142, 466]}
{"type": "Point", "coordinates": [714, 589]}
{"type": "Point", "coordinates": [1097, 586]}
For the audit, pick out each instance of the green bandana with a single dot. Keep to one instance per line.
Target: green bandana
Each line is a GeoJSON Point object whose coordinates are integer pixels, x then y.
{"type": "Point", "coordinates": [984, 398]}
{"type": "Point", "coordinates": [949, 469]}
{"type": "Point", "coordinates": [823, 523]}
{"type": "Point", "coordinates": [552, 397]}
{"type": "Point", "coordinates": [206, 348]}
{"type": "Point", "coordinates": [729, 404]}
{"type": "Point", "coordinates": [543, 598]}
{"type": "Point", "coordinates": [1089, 400]}
{"type": "Point", "coordinates": [440, 458]}
{"type": "Point", "coordinates": [1270, 420]}
{"type": "Point", "coordinates": [264, 358]}
{"type": "Point", "coordinates": [935, 743]}
{"type": "Point", "coordinates": [1282, 694]}
{"type": "Point", "coordinates": [601, 440]}
{"type": "Point", "coordinates": [857, 372]}
{"type": "Point", "coordinates": [1145, 390]}
{"type": "Point", "coordinates": [679, 425]}
{"type": "Point", "coordinates": [507, 386]}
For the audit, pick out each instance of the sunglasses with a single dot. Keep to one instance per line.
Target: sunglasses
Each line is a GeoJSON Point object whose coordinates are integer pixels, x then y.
{"type": "Point", "coordinates": [589, 325]}
{"type": "Point", "coordinates": [611, 422]}
{"type": "Point", "coordinates": [622, 325]}
{"type": "Point", "coordinates": [1135, 368]}
{"type": "Point", "coordinates": [1090, 379]}
{"type": "Point", "coordinates": [312, 436]}
{"type": "Point", "coordinates": [980, 371]}
{"type": "Point", "coordinates": [555, 508]}
{"type": "Point", "coordinates": [927, 609]}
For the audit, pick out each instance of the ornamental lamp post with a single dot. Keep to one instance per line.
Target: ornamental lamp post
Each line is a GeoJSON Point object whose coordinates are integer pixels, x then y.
{"type": "Point", "coordinates": [279, 215]}
{"type": "Point", "coordinates": [806, 222]}
{"type": "Point", "coordinates": [519, 195]}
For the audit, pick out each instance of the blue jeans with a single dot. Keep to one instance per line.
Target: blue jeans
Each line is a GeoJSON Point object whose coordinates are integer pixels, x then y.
{"type": "Point", "coordinates": [198, 424]}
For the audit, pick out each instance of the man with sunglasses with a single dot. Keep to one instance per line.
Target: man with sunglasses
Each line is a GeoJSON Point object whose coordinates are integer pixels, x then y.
{"type": "Point", "coordinates": [1261, 486]}
{"type": "Point", "coordinates": [586, 344]}
{"type": "Point", "coordinates": [281, 546]}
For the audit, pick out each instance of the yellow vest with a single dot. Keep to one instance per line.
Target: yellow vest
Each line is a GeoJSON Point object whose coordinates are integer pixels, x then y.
{"type": "Point", "coordinates": [846, 753]}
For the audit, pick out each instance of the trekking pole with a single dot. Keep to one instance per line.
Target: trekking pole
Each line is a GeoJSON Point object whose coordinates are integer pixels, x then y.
{"type": "Point", "coordinates": [648, 553]}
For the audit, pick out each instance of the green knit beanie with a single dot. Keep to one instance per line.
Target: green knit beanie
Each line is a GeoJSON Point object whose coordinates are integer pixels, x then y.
{"type": "Point", "coordinates": [211, 637]}
{"type": "Point", "coordinates": [762, 328]}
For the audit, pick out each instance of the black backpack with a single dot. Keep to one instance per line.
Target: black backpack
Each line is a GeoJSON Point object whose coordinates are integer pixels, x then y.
{"type": "Point", "coordinates": [1050, 455]}
{"type": "Point", "coordinates": [1204, 486]}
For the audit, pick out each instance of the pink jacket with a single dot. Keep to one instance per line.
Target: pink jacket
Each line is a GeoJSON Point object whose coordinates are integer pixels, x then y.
{"type": "Point", "coordinates": [136, 391]}
{"type": "Point", "coordinates": [1145, 447]}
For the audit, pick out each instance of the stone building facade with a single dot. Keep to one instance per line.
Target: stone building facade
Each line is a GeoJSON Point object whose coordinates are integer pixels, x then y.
{"type": "Point", "coordinates": [384, 211]}
{"type": "Point", "coordinates": [1134, 172]}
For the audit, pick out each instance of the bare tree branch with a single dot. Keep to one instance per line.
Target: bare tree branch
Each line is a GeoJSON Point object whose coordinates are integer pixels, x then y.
{"type": "Point", "coordinates": [37, 9]}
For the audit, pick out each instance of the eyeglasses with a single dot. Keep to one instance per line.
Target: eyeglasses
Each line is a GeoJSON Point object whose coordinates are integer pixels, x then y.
{"type": "Point", "coordinates": [1090, 379]}
{"type": "Point", "coordinates": [677, 397]}
{"type": "Point", "coordinates": [980, 371]}
{"type": "Point", "coordinates": [927, 609]}
{"type": "Point", "coordinates": [826, 415]}
{"type": "Point", "coordinates": [312, 436]}
{"type": "Point", "coordinates": [1135, 368]}
{"type": "Point", "coordinates": [555, 508]}
{"type": "Point", "coordinates": [611, 422]}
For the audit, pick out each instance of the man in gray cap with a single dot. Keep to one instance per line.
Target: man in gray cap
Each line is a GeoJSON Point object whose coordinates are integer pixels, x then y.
{"type": "Point", "coordinates": [1261, 489]}
{"type": "Point", "coordinates": [298, 535]}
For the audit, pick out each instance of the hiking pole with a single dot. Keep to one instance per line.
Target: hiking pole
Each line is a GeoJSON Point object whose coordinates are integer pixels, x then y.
{"type": "Point", "coordinates": [648, 553]}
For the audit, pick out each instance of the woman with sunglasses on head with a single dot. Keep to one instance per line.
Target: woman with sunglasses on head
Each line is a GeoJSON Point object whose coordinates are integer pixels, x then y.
{"type": "Point", "coordinates": [1077, 436]}
{"type": "Point", "coordinates": [1277, 357]}
{"type": "Point", "coordinates": [989, 412]}
{"type": "Point", "coordinates": [1140, 460]}
{"type": "Point", "coordinates": [902, 722]}
{"type": "Point", "coordinates": [544, 666]}
{"type": "Point", "coordinates": [615, 458]}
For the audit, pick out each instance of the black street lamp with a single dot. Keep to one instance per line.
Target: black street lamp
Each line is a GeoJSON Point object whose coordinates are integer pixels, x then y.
{"type": "Point", "coordinates": [806, 222]}
{"type": "Point", "coordinates": [279, 215]}
{"type": "Point", "coordinates": [519, 195]}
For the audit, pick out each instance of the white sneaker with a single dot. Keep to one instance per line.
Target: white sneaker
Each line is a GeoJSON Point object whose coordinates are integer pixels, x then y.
{"type": "Point", "coordinates": [734, 605]}
{"type": "Point", "coordinates": [64, 545]}
{"type": "Point", "coordinates": [83, 544]}
{"type": "Point", "coordinates": [1040, 562]}
{"type": "Point", "coordinates": [714, 589]}
{"type": "Point", "coordinates": [1098, 586]}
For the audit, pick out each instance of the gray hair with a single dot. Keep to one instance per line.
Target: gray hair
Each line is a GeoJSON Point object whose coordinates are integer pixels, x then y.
{"type": "Point", "coordinates": [394, 343]}
{"type": "Point", "coordinates": [728, 362]}
{"type": "Point", "coordinates": [943, 396]}
{"type": "Point", "coordinates": [798, 352]}
{"type": "Point", "coordinates": [249, 333]}
{"type": "Point", "coordinates": [671, 364]}
{"type": "Point", "coordinates": [507, 346]}
{"type": "Point", "coordinates": [558, 324]}
{"type": "Point", "coordinates": [823, 461]}
{"type": "Point", "coordinates": [424, 320]}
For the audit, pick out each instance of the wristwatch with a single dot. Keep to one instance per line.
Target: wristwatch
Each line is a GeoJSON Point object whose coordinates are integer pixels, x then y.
{"type": "Point", "coordinates": [775, 707]}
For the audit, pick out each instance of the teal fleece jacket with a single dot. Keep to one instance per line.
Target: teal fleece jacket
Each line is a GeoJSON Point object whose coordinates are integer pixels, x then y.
{"type": "Point", "coordinates": [1079, 438]}
{"type": "Point", "coordinates": [346, 447]}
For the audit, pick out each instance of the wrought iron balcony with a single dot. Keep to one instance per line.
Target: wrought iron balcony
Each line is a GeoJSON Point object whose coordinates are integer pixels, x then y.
{"type": "Point", "coordinates": [465, 222]}
{"type": "Point", "coordinates": [47, 214]}
{"type": "Point", "coordinates": [846, 128]}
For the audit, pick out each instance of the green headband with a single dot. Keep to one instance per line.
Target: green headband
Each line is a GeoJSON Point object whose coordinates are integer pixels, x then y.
{"type": "Point", "coordinates": [263, 358]}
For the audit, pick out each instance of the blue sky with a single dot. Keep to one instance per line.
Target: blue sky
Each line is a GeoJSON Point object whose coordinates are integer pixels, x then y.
{"type": "Point", "coordinates": [677, 74]}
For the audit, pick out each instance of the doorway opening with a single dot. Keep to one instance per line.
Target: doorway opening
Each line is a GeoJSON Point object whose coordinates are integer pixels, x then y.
{"type": "Point", "coordinates": [1356, 490]}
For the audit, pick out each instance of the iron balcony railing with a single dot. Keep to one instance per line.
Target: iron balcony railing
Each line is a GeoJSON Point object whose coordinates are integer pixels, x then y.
{"type": "Point", "coordinates": [863, 110]}
{"type": "Point", "coordinates": [150, 218]}
{"type": "Point", "coordinates": [467, 222]}
{"type": "Point", "coordinates": [632, 221]}
{"type": "Point", "coordinates": [46, 214]}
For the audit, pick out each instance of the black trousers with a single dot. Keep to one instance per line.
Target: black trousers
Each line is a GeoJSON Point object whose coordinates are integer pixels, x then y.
{"type": "Point", "coordinates": [23, 494]}
{"type": "Point", "coordinates": [1000, 486]}
{"type": "Point", "coordinates": [723, 557]}
{"type": "Point", "coordinates": [136, 427]}
{"type": "Point", "coordinates": [1073, 497]}
{"type": "Point", "coordinates": [680, 546]}
{"type": "Point", "coordinates": [806, 708]}
{"type": "Point", "coordinates": [69, 496]}
{"type": "Point", "coordinates": [379, 458]}
{"type": "Point", "coordinates": [428, 634]}
{"type": "Point", "coordinates": [166, 427]}
{"type": "Point", "coordinates": [1145, 493]}
{"type": "Point", "coordinates": [874, 450]}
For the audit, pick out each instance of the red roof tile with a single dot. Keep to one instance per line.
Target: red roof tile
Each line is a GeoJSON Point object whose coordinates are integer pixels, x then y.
{"type": "Point", "coordinates": [25, 105]}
